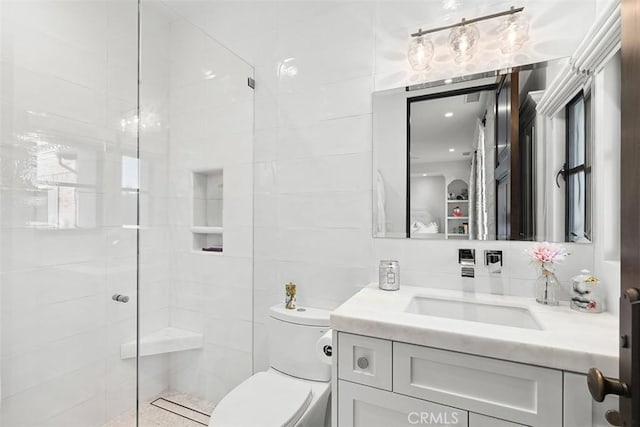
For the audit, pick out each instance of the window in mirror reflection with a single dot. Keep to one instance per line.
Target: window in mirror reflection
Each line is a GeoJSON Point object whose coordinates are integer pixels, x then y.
{"type": "Point", "coordinates": [578, 169]}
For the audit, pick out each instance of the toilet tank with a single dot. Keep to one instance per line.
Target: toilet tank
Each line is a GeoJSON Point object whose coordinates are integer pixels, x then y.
{"type": "Point", "coordinates": [292, 341]}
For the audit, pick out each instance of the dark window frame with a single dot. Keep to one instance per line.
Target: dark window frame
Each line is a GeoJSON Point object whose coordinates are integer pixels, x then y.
{"type": "Point", "coordinates": [584, 167]}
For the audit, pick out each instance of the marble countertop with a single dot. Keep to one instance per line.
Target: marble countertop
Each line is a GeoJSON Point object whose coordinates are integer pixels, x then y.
{"type": "Point", "coordinates": [569, 340]}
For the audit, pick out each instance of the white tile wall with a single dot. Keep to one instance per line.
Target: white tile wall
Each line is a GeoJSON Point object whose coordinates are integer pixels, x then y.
{"type": "Point", "coordinates": [211, 113]}
{"type": "Point", "coordinates": [317, 64]}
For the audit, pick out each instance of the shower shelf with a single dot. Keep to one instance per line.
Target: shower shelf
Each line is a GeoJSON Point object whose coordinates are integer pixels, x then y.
{"type": "Point", "coordinates": [167, 340]}
{"type": "Point", "coordinates": [206, 230]}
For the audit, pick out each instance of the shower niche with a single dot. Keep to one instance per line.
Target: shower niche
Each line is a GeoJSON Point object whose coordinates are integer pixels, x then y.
{"type": "Point", "coordinates": [208, 202]}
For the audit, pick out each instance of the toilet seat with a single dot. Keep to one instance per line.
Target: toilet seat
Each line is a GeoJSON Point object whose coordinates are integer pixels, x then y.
{"type": "Point", "coordinates": [267, 399]}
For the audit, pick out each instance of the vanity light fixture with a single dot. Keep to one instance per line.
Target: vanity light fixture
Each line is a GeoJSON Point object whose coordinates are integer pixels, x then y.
{"type": "Point", "coordinates": [449, 114]}
{"type": "Point", "coordinates": [514, 32]}
{"type": "Point", "coordinates": [463, 41]}
{"type": "Point", "coordinates": [420, 53]}
{"type": "Point", "coordinates": [464, 38]}
{"type": "Point", "coordinates": [451, 150]}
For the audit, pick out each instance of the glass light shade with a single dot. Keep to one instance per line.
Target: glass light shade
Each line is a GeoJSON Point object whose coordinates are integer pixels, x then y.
{"type": "Point", "coordinates": [463, 41]}
{"type": "Point", "coordinates": [514, 32]}
{"type": "Point", "coordinates": [420, 53]}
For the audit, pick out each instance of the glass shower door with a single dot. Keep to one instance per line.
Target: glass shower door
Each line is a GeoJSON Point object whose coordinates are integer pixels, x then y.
{"type": "Point", "coordinates": [196, 219]}
{"type": "Point", "coordinates": [68, 211]}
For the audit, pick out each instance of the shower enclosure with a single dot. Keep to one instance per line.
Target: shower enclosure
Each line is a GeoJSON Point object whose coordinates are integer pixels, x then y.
{"type": "Point", "coordinates": [126, 215]}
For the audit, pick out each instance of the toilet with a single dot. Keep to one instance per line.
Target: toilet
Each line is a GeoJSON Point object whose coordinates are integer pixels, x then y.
{"type": "Point", "coordinates": [295, 390]}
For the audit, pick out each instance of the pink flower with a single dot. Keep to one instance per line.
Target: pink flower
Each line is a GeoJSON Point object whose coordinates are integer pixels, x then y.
{"type": "Point", "coordinates": [546, 255]}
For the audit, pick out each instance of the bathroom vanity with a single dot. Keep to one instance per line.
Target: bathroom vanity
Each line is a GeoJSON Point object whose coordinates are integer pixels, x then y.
{"type": "Point", "coordinates": [422, 356]}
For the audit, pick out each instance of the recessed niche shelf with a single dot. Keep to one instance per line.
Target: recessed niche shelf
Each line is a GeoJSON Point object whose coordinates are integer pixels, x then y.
{"type": "Point", "coordinates": [167, 340]}
{"type": "Point", "coordinates": [207, 227]}
{"type": "Point", "coordinates": [206, 230]}
{"type": "Point", "coordinates": [457, 226]}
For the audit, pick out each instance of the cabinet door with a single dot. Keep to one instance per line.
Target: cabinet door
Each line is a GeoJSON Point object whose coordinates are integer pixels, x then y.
{"type": "Point", "coordinates": [363, 406]}
{"type": "Point", "coordinates": [477, 420]}
{"type": "Point", "coordinates": [580, 410]}
{"type": "Point", "coordinates": [524, 394]}
{"type": "Point", "coordinates": [364, 360]}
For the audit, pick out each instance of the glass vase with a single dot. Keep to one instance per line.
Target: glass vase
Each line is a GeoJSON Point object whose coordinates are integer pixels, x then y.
{"type": "Point", "coordinates": [547, 288]}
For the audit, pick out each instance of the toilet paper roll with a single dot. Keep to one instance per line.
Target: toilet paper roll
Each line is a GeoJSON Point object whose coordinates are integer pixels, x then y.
{"type": "Point", "coordinates": [324, 348]}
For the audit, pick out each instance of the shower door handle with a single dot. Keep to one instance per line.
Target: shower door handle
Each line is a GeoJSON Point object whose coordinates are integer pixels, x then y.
{"type": "Point", "coordinates": [561, 173]}
{"type": "Point", "coordinates": [120, 298]}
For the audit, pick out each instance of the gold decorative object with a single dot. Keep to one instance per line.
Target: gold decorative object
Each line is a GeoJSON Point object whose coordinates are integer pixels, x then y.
{"type": "Point", "coordinates": [290, 300]}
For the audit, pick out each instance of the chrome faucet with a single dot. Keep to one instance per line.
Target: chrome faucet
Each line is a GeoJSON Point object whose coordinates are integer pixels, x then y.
{"type": "Point", "coordinates": [467, 261]}
{"type": "Point", "coordinates": [493, 261]}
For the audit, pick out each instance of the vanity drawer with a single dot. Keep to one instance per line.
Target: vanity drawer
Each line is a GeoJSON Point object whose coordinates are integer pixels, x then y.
{"type": "Point", "coordinates": [477, 420]}
{"type": "Point", "coordinates": [362, 406]}
{"type": "Point", "coordinates": [520, 393]}
{"type": "Point", "coordinates": [364, 360]}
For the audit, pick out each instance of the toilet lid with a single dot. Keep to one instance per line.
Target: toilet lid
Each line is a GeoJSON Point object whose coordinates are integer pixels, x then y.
{"type": "Point", "coordinates": [267, 399]}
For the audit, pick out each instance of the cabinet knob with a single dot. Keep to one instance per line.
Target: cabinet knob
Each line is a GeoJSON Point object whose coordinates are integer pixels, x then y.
{"type": "Point", "coordinates": [362, 362]}
{"type": "Point", "coordinates": [600, 386]}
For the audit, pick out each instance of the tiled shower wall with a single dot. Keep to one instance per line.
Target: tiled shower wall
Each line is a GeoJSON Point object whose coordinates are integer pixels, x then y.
{"type": "Point", "coordinates": [68, 103]}
{"type": "Point", "coordinates": [67, 211]}
{"type": "Point", "coordinates": [211, 128]}
{"type": "Point", "coordinates": [317, 64]}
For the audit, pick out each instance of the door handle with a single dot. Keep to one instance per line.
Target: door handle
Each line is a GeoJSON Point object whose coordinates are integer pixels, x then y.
{"type": "Point", "coordinates": [120, 298]}
{"type": "Point", "coordinates": [600, 386]}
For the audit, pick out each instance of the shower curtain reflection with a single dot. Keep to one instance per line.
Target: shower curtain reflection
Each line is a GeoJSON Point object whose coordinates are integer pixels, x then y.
{"type": "Point", "coordinates": [478, 223]}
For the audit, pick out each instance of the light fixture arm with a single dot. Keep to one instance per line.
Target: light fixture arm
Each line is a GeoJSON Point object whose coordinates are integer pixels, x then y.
{"type": "Point", "coordinates": [463, 22]}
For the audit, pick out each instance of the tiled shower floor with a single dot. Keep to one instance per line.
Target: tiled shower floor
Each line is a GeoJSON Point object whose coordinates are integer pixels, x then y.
{"type": "Point", "coordinates": [169, 410]}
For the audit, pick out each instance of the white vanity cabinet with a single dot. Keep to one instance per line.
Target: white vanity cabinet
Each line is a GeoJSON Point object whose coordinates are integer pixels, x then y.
{"type": "Point", "coordinates": [386, 383]}
{"type": "Point", "coordinates": [364, 406]}
{"type": "Point", "coordinates": [579, 408]}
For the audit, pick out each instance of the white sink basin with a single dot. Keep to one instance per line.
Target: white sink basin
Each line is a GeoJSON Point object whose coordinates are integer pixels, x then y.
{"type": "Point", "coordinates": [474, 311]}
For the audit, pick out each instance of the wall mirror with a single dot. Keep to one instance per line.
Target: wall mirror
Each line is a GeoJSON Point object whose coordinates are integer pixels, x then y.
{"type": "Point", "coordinates": [470, 158]}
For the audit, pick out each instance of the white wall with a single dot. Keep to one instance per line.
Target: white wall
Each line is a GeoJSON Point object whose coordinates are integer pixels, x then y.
{"type": "Point", "coordinates": [606, 179]}
{"type": "Point", "coordinates": [428, 200]}
{"type": "Point", "coordinates": [211, 118]}
{"type": "Point", "coordinates": [390, 158]}
{"type": "Point", "coordinates": [317, 64]}
{"type": "Point", "coordinates": [450, 170]}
